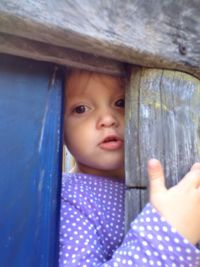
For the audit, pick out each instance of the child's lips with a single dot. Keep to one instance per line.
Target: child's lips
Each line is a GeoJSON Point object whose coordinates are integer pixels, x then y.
{"type": "Point", "coordinates": [111, 143]}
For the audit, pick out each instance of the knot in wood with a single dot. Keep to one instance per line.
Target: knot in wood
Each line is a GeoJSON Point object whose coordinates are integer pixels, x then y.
{"type": "Point", "coordinates": [182, 49]}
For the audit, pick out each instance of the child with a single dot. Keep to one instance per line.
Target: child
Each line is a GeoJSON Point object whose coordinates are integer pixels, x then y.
{"type": "Point", "coordinates": [92, 208]}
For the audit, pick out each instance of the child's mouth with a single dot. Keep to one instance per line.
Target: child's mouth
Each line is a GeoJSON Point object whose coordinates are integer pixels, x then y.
{"type": "Point", "coordinates": [111, 143]}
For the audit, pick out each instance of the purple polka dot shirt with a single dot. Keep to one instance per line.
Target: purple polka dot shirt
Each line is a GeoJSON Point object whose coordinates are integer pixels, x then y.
{"type": "Point", "coordinates": [92, 229]}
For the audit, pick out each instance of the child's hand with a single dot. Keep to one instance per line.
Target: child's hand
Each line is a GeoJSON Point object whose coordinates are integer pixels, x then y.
{"type": "Point", "coordinates": [180, 205]}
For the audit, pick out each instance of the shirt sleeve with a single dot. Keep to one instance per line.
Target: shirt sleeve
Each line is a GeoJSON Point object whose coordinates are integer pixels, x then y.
{"type": "Point", "coordinates": [151, 241]}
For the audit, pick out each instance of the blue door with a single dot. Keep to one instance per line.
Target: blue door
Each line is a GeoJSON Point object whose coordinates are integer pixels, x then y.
{"type": "Point", "coordinates": [30, 162]}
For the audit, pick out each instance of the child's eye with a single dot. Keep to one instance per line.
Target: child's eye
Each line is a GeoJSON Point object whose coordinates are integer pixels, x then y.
{"type": "Point", "coordinates": [80, 109]}
{"type": "Point", "coordinates": [120, 103]}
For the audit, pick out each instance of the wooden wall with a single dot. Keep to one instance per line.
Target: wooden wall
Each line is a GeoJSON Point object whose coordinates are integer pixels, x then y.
{"type": "Point", "coordinates": [163, 122]}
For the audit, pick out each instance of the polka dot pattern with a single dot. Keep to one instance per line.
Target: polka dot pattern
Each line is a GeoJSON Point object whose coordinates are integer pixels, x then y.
{"type": "Point", "coordinates": [92, 229]}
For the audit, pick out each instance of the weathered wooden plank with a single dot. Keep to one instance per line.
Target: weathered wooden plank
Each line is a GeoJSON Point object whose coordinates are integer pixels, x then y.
{"type": "Point", "coordinates": [135, 200]}
{"type": "Point", "coordinates": [132, 206]}
{"type": "Point", "coordinates": [19, 46]}
{"type": "Point", "coordinates": [162, 118]}
{"type": "Point", "coordinates": [164, 34]}
{"type": "Point", "coordinates": [30, 162]}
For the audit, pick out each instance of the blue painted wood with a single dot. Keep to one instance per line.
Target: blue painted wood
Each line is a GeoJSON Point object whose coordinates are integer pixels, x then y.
{"type": "Point", "coordinates": [30, 163]}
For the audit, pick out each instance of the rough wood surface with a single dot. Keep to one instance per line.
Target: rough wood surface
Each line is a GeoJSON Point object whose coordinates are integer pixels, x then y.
{"type": "Point", "coordinates": [23, 47]}
{"type": "Point", "coordinates": [162, 118]}
{"type": "Point", "coordinates": [135, 200]}
{"type": "Point", "coordinates": [163, 121]}
{"type": "Point", "coordinates": [149, 33]}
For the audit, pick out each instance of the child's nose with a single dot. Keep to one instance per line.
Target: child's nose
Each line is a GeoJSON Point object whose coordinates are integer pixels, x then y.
{"type": "Point", "coordinates": [107, 120]}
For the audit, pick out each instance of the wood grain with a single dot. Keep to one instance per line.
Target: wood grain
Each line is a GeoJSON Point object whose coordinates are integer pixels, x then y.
{"type": "Point", "coordinates": [135, 200]}
{"type": "Point", "coordinates": [162, 121]}
{"type": "Point", "coordinates": [162, 118]}
{"type": "Point", "coordinates": [13, 45]}
{"type": "Point", "coordinates": [162, 34]}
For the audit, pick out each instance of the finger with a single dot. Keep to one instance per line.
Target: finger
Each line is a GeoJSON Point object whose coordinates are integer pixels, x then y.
{"type": "Point", "coordinates": [156, 176]}
{"type": "Point", "coordinates": [192, 178]}
{"type": "Point", "coordinates": [195, 169]}
{"type": "Point", "coordinates": [195, 166]}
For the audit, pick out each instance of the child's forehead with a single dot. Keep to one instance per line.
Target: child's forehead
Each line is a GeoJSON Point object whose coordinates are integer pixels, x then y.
{"type": "Point", "coordinates": [79, 80]}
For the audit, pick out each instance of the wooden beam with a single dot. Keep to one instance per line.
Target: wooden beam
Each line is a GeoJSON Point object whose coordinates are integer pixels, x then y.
{"type": "Point", "coordinates": [162, 121]}
{"type": "Point", "coordinates": [135, 200]}
{"type": "Point", "coordinates": [23, 47]}
{"type": "Point", "coordinates": [162, 34]}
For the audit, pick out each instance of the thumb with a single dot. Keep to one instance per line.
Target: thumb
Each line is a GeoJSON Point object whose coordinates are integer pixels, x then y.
{"type": "Point", "coordinates": [156, 177]}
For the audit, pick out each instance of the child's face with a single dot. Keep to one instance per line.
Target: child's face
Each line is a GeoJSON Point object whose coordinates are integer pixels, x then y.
{"type": "Point", "coordinates": [94, 123]}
